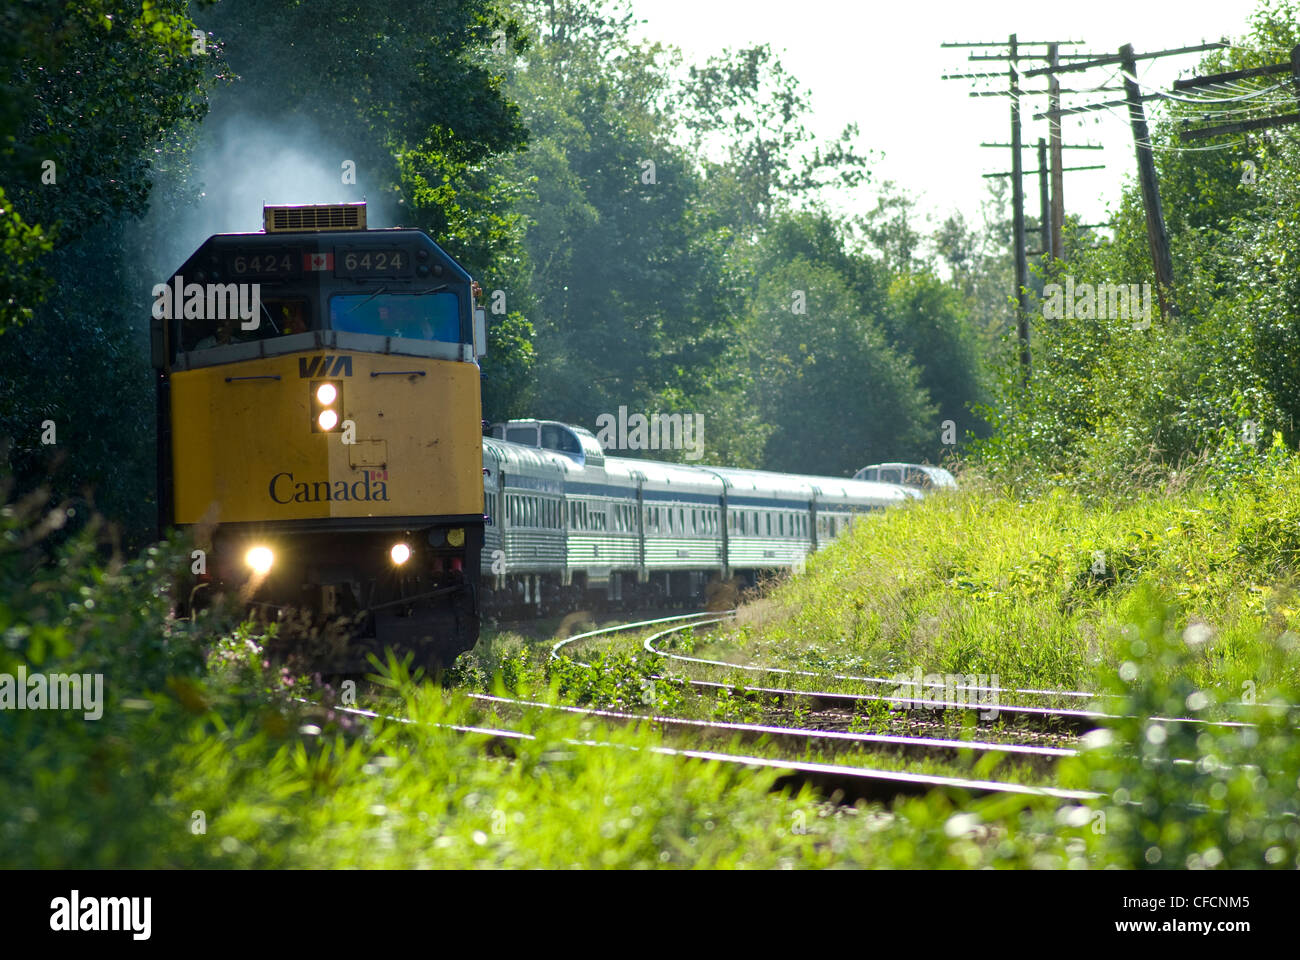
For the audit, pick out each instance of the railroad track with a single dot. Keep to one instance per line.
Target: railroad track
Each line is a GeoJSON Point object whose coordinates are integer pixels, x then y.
{"type": "Point", "coordinates": [916, 747]}
{"type": "Point", "coordinates": [1076, 721]}
{"type": "Point", "coordinates": [840, 783]}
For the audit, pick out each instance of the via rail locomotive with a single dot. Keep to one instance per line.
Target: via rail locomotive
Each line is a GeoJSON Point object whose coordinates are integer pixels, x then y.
{"type": "Point", "coordinates": [319, 424]}
{"type": "Point", "coordinates": [319, 431]}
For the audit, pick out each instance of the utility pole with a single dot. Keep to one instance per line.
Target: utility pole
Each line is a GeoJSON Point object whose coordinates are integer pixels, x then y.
{"type": "Point", "coordinates": [1018, 218]}
{"type": "Point", "coordinates": [1157, 235]}
{"type": "Point", "coordinates": [1044, 204]}
{"type": "Point", "coordinates": [1058, 174]}
{"type": "Point", "coordinates": [1016, 52]}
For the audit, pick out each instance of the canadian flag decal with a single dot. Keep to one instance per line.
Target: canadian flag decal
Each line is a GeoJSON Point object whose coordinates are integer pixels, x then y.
{"type": "Point", "coordinates": [317, 261]}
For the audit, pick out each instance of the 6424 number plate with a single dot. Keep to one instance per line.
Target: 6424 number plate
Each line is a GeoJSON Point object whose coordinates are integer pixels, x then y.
{"type": "Point", "coordinates": [373, 262]}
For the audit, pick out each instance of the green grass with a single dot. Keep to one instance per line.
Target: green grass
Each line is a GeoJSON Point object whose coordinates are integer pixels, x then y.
{"type": "Point", "coordinates": [1036, 592]}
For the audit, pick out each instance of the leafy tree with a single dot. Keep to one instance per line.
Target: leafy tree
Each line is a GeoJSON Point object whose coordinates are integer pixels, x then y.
{"type": "Point", "coordinates": [925, 322]}
{"type": "Point", "coordinates": [890, 229]}
{"type": "Point", "coordinates": [622, 279]}
{"type": "Point", "coordinates": [379, 78]}
{"type": "Point", "coordinates": [93, 90]}
{"type": "Point", "coordinates": [414, 96]}
{"type": "Point", "coordinates": [88, 89]}
{"type": "Point", "coordinates": [837, 394]}
{"type": "Point", "coordinates": [745, 115]}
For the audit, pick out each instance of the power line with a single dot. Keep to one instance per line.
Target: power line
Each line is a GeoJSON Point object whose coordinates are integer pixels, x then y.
{"type": "Point", "coordinates": [1030, 173]}
{"type": "Point", "coordinates": [1115, 58]}
{"type": "Point", "coordinates": [1022, 43]}
{"type": "Point", "coordinates": [1160, 94]}
{"type": "Point", "coordinates": [1168, 148]}
{"type": "Point", "coordinates": [1003, 93]}
{"type": "Point", "coordinates": [1067, 146]}
{"type": "Point", "coordinates": [1256, 123]}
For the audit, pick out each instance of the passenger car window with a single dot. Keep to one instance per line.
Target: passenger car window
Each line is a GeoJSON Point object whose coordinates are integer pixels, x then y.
{"type": "Point", "coordinates": [554, 438]}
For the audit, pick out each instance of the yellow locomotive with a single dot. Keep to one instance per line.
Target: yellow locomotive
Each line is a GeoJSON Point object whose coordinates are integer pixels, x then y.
{"type": "Point", "coordinates": [319, 423]}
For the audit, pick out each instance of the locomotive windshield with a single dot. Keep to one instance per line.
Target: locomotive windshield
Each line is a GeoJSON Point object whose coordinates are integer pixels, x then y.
{"type": "Point", "coordinates": [279, 317]}
{"type": "Point", "coordinates": [283, 284]}
{"type": "Point", "coordinates": [415, 316]}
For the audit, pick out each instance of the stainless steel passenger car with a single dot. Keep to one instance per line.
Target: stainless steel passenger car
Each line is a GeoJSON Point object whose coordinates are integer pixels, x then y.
{"type": "Point", "coordinates": [768, 518]}
{"type": "Point", "coordinates": [525, 538]}
{"type": "Point", "coordinates": [914, 476]}
{"type": "Point", "coordinates": [569, 525]}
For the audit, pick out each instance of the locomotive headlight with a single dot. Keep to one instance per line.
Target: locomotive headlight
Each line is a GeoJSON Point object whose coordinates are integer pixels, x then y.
{"type": "Point", "coordinates": [326, 399]}
{"type": "Point", "coordinates": [260, 559]}
{"type": "Point", "coordinates": [400, 553]}
{"type": "Point", "coordinates": [456, 536]}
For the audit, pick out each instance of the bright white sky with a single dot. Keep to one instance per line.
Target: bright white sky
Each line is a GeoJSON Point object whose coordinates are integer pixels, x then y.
{"type": "Point", "coordinates": [879, 64]}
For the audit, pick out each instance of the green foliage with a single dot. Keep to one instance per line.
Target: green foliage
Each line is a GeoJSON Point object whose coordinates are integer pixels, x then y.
{"type": "Point", "coordinates": [616, 681]}
{"type": "Point", "coordinates": [656, 288]}
{"type": "Point", "coordinates": [22, 283]}
{"type": "Point", "coordinates": [833, 337]}
{"type": "Point", "coordinates": [926, 322]}
{"type": "Point", "coordinates": [979, 582]}
{"type": "Point", "coordinates": [72, 789]}
{"type": "Point", "coordinates": [94, 86]}
{"type": "Point", "coordinates": [620, 288]}
{"type": "Point", "coordinates": [381, 78]}
{"type": "Point", "coordinates": [1180, 796]}
{"type": "Point", "coordinates": [98, 395]}
{"type": "Point", "coordinates": [744, 115]}
{"type": "Point", "coordinates": [62, 602]}
{"type": "Point", "coordinates": [812, 372]}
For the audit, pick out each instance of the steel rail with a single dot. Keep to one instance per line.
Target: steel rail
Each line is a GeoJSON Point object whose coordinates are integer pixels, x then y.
{"type": "Point", "coordinates": [927, 746]}
{"type": "Point", "coordinates": [1070, 715]}
{"type": "Point", "coordinates": [555, 648]}
{"type": "Point", "coordinates": [845, 784]}
{"type": "Point", "coordinates": [1028, 691]}
{"type": "Point", "coordinates": [1077, 720]}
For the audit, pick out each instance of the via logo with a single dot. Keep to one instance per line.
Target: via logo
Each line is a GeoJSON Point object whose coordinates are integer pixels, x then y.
{"type": "Point", "coordinates": [320, 367]}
